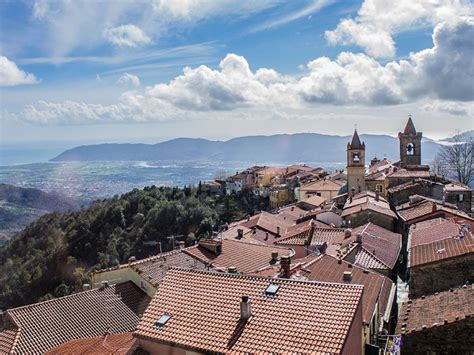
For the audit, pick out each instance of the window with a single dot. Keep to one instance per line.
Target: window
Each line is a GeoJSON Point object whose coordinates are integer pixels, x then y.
{"type": "Point", "coordinates": [355, 157]}
{"type": "Point", "coordinates": [410, 149]}
{"type": "Point", "coordinates": [461, 197]}
{"type": "Point", "coordinates": [272, 289]}
{"type": "Point", "coordinates": [318, 193]}
{"type": "Point", "coordinates": [379, 188]}
{"type": "Point", "coordinates": [162, 321]}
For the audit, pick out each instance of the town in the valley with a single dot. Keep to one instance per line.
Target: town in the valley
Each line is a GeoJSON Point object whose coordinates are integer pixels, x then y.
{"type": "Point", "coordinates": [374, 259]}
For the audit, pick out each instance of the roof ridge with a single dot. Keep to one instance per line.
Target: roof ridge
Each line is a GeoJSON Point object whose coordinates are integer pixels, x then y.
{"type": "Point", "coordinates": [57, 299]}
{"type": "Point", "coordinates": [245, 276]}
{"type": "Point", "coordinates": [375, 257]}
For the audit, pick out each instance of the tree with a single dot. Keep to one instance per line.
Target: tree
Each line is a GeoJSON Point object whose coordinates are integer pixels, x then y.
{"type": "Point", "coordinates": [457, 159]}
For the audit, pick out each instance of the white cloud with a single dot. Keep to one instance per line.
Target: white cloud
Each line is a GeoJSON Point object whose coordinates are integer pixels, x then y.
{"type": "Point", "coordinates": [11, 75]}
{"type": "Point", "coordinates": [442, 73]}
{"type": "Point", "coordinates": [129, 79]}
{"type": "Point", "coordinates": [378, 20]}
{"type": "Point", "coordinates": [126, 36]}
{"type": "Point", "coordinates": [311, 8]}
{"type": "Point", "coordinates": [40, 9]}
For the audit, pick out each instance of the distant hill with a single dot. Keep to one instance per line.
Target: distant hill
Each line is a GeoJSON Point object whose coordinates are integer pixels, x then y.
{"type": "Point", "coordinates": [21, 206]}
{"type": "Point", "coordinates": [463, 137]}
{"type": "Point", "coordinates": [281, 148]}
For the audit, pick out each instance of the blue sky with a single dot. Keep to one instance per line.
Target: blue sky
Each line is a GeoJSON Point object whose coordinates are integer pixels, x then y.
{"type": "Point", "coordinates": [152, 70]}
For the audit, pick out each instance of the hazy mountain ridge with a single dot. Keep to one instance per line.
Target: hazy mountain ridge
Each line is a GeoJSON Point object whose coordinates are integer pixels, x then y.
{"type": "Point", "coordinates": [20, 206]}
{"type": "Point", "coordinates": [300, 147]}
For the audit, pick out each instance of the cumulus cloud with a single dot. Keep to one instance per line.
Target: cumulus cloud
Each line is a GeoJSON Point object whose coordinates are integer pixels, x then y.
{"type": "Point", "coordinates": [11, 75]}
{"type": "Point", "coordinates": [129, 79]}
{"type": "Point", "coordinates": [441, 74]}
{"type": "Point", "coordinates": [378, 20]}
{"type": "Point", "coordinates": [126, 36]}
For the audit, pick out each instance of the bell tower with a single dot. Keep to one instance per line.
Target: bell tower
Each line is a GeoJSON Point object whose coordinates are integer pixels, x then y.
{"type": "Point", "coordinates": [355, 165]}
{"type": "Point", "coordinates": [410, 145]}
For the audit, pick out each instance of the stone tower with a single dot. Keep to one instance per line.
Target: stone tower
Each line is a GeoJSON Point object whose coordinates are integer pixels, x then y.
{"type": "Point", "coordinates": [355, 165]}
{"type": "Point", "coordinates": [410, 145]}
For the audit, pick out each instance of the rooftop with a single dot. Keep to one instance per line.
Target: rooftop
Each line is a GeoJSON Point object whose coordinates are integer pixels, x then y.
{"type": "Point", "coordinates": [204, 314]}
{"type": "Point", "coordinates": [119, 344]}
{"type": "Point", "coordinates": [435, 310]}
{"type": "Point", "coordinates": [42, 326]}
{"type": "Point", "coordinates": [421, 206]}
{"type": "Point", "coordinates": [322, 185]}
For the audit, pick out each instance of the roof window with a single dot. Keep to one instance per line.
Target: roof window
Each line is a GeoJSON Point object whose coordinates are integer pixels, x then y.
{"type": "Point", "coordinates": [272, 289]}
{"type": "Point", "coordinates": [162, 321]}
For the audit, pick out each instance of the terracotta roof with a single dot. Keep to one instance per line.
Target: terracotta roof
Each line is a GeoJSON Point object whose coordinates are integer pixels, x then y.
{"type": "Point", "coordinates": [423, 206]}
{"type": "Point", "coordinates": [433, 230]}
{"type": "Point", "coordinates": [315, 201]}
{"type": "Point", "coordinates": [108, 344]}
{"type": "Point", "coordinates": [377, 288]}
{"type": "Point", "coordinates": [368, 260]}
{"type": "Point", "coordinates": [268, 222]}
{"type": "Point", "coordinates": [322, 185]}
{"type": "Point", "coordinates": [436, 240]}
{"type": "Point", "coordinates": [246, 257]}
{"type": "Point", "coordinates": [456, 187]}
{"type": "Point", "coordinates": [367, 200]}
{"type": "Point", "coordinates": [435, 310]}
{"type": "Point", "coordinates": [42, 326]}
{"type": "Point", "coordinates": [380, 166]}
{"type": "Point", "coordinates": [9, 333]}
{"type": "Point", "coordinates": [204, 311]}
{"type": "Point", "coordinates": [291, 213]}
{"type": "Point", "coordinates": [317, 235]}
{"type": "Point", "coordinates": [153, 268]}
{"type": "Point", "coordinates": [380, 243]}
{"type": "Point", "coordinates": [409, 127]}
{"type": "Point", "coordinates": [409, 173]}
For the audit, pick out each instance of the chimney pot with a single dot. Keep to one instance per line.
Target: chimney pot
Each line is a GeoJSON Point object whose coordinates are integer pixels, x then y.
{"type": "Point", "coordinates": [347, 277]}
{"type": "Point", "coordinates": [132, 259]}
{"type": "Point", "coordinates": [285, 262]}
{"type": "Point", "coordinates": [274, 255]}
{"type": "Point", "coordinates": [232, 270]}
{"type": "Point", "coordinates": [347, 233]}
{"type": "Point", "coordinates": [278, 230]}
{"type": "Point", "coordinates": [266, 236]}
{"type": "Point", "coordinates": [359, 238]}
{"type": "Point", "coordinates": [245, 310]}
{"type": "Point", "coordinates": [86, 287]}
{"type": "Point", "coordinates": [240, 233]}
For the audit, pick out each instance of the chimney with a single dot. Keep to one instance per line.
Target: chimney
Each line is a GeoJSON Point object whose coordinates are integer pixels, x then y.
{"type": "Point", "coordinates": [214, 246]}
{"type": "Point", "coordinates": [266, 236]}
{"type": "Point", "coordinates": [347, 277]}
{"type": "Point", "coordinates": [359, 238]}
{"type": "Point", "coordinates": [274, 256]}
{"type": "Point", "coordinates": [285, 262]}
{"type": "Point", "coordinates": [240, 233]}
{"type": "Point", "coordinates": [180, 245]}
{"type": "Point", "coordinates": [292, 208]}
{"type": "Point", "coordinates": [104, 285]}
{"type": "Point", "coordinates": [347, 233]}
{"type": "Point", "coordinates": [248, 218]}
{"type": "Point", "coordinates": [245, 310]}
{"type": "Point", "coordinates": [86, 287]}
{"type": "Point", "coordinates": [434, 208]}
{"type": "Point", "coordinates": [278, 230]}
{"type": "Point", "coordinates": [377, 195]}
{"type": "Point", "coordinates": [132, 259]}
{"type": "Point", "coordinates": [232, 270]}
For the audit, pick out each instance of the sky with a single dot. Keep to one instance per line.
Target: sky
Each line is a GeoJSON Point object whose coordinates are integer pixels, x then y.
{"type": "Point", "coordinates": [151, 70]}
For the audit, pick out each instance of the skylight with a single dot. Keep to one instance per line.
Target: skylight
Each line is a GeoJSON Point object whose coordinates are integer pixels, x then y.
{"type": "Point", "coordinates": [272, 289]}
{"type": "Point", "coordinates": [162, 321]}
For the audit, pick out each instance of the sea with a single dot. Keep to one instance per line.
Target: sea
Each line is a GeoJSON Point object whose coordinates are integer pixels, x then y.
{"type": "Point", "coordinates": [28, 165]}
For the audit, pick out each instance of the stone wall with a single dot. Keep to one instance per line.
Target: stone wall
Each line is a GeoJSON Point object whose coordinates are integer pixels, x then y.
{"type": "Point", "coordinates": [451, 338]}
{"type": "Point", "coordinates": [441, 276]}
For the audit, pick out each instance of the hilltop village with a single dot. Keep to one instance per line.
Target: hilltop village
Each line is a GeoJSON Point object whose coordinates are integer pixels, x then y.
{"type": "Point", "coordinates": [376, 259]}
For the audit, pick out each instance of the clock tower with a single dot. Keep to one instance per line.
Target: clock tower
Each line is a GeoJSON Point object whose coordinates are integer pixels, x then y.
{"type": "Point", "coordinates": [355, 165]}
{"type": "Point", "coordinates": [410, 145]}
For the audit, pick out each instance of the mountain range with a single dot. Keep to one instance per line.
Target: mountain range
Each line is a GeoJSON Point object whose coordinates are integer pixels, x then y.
{"type": "Point", "coordinates": [281, 148]}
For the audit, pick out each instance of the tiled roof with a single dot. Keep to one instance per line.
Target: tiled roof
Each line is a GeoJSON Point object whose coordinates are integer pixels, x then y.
{"type": "Point", "coordinates": [291, 213]}
{"type": "Point", "coordinates": [440, 250]}
{"type": "Point", "coordinates": [366, 259]}
{"type": "Point", "coordinates": [153, 268]}
{"type": "Point", "coordinates": [377, 288]}
{"type": "Point", "coordinates": [123, 343]}
{"type": "Point", "coordinates": [315, 201]}
{"type": "Point", "coordinates": [367, 200]}
{"type": "Point", "coordinates": [380, 166]}
{"type": "Point", "coordinates": [355, 143]}
{"type": "Point", "coordinates": [204, 310]}
{"type": "Point", "coordinates": [319, 234]}
{"type": "Point", "coordinates": [268, 222]}
{"type": "Point", "coordinates": [409, 173]}
{"type": "Point", "coordinates": [44, 325]}
{"type": "Point", "coordinates": [322, 185]}
{"type": "Point", "coordinates": [423, 206]}
{"type": "Point", "coordinates": [433, 230]}
{"type": "Point", "coordinates": [9, 333]}
{"type": "Point", "coordinates": [456, 187]}
{"type": "Point", "coordinates": [246, 257]}
{"type": "Point", "coordinates": [437, 309]}
{"type": "Point", "coordinates": [382, 244]}
{"type": "Point", "coordinates": [409, 127]}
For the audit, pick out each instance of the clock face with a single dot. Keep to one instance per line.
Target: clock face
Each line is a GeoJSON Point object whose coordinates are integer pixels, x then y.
{"type": "Point", "coordinates": [410, 149]}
